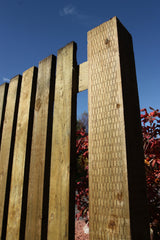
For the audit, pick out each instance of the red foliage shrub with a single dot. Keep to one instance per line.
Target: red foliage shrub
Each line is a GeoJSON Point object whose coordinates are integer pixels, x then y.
{"type": "Point", "coordinates": [82, 191]}
{"type": "Point", "coordinates": [151, 145]}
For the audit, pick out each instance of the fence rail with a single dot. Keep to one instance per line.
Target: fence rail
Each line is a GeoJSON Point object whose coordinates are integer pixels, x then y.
{"type": "Point", "coordinates": [37, 143]}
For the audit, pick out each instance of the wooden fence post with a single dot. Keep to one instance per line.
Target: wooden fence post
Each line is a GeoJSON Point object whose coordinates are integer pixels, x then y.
{"type": "Point", "coordinates": [116, 163]}
{"type": "Point", "coordinates": [40, 156]}
{"type": "Point", "coordinates": [21, 154]}
{"type": "Point", "coordinates": [61, 223]}
{"type": "Point", "coordinates": [7, 148]}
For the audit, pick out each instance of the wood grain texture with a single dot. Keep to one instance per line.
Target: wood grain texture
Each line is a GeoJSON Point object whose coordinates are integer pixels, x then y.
{"type": "Point", "coordinates": [83, 76]}
{"type": "Point", "coordinates": [42, 111]}
{"type": "Point", "coordinates": [21, 152]}
{"type": "Point", "coordinates": [3, 97]}
{"type": "Point", "coordinates": [64, 112]}
{"type": "Point", "coordinates": [108, 183]}
{"type": "Point", "coordinates": [112, 140]}
{"type": "Point", "coordinates": [7, 146]}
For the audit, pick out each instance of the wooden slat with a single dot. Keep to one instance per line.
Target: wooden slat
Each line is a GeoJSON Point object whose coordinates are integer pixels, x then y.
{"type": "Point", "coordinates": [64, 114]}
{"type": "Point", "coordinates": [116, 168]}
{"type": "Point", "coordinates": [43, 111]}
{"type": "Point", "coordinates": [83, 77]}
{"type": "Point", "coordinates": [21, 152]}
{"type": "Point", "coordinates": [7, 147]}
{"type": "Point", "coordinates": [3, 97]}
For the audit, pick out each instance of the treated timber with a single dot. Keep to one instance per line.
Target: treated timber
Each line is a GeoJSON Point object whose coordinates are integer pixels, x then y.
{"type": "Point", "coordinates": [61, 223]}
{"type": "Point", "coordinates": [41, 142]}
{"type": "Point", "coordinates": [21, 154]}
{"type": "Point", "coordinates": [83, 77]}
{"type": "Point", "coordinates": [3, 97]}
{"type": "Point", "coordinates": [116, 163]}
{"type": "Point", "coordinates": [7, 148]}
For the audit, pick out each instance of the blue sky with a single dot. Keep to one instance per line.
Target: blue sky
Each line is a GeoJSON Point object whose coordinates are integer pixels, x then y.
{"type": "Point", "coordinates": [31, 30]}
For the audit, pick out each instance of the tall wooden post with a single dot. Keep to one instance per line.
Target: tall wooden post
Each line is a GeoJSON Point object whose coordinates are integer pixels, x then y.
{"type": "Point", "coordinates": [7, 148]}
{"type": "Point", "coordinates": [61, 217]}
{"type": "Point", "coordinates": [21, 155]}
{"type": "Point", "coordinates": [116, 161]}
{"type": "Point", "coordinates": [40, 150]}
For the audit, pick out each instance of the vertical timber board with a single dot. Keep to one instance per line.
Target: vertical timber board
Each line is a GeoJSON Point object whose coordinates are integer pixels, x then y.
{"type": "Point", "coordinates": [44, 95]}
{"type": "Point", "coordinates": [108, 156]}
{"type": "Point", "coordinates": [7, 145]}
{"type": "Point", "coordinates": [21, 152]}
{"type": "Point", "coordinates": [61, 157]}
{"type": "Point", "coordinates": [3, 97]}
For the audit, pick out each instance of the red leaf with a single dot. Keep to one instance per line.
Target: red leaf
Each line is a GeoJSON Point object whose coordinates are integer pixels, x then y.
{"type": "Point", "coordinates": [153, 163]}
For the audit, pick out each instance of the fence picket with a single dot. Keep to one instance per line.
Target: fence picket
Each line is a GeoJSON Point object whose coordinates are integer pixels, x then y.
{"type": "Point", "coordinates": [21, 154]}
{"type": "Point", "coordinates": [61, 159]}
{"type": "Point", "coordinates": [7, 148]}
{"type": "Point", "coordinates": [43, 111]}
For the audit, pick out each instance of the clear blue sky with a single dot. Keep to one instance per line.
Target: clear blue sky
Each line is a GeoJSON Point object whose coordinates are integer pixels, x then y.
{"type": "Point", "coordinates": [31, 30]}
